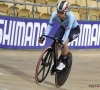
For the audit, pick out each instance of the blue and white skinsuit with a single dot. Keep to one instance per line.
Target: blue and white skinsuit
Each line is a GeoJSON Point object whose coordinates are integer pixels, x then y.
{"type": "Point", "coordinates": [69, 23]}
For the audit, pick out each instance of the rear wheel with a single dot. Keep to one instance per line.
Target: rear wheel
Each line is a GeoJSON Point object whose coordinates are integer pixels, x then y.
{"type": "Point", "coordinates": [62, 76]}
{"type": "Point", "coordinates": [43, 65]}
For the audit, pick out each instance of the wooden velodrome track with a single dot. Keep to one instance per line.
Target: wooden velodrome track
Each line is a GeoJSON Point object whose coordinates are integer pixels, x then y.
{"type": "Point", "coordinates": [17, 70]}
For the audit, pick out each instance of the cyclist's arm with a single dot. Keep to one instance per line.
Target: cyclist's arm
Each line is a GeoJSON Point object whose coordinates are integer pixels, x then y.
{"type": "Point", "coordinates": [50, 25]}
{"type": "Point", "coordinates": [68, 28]}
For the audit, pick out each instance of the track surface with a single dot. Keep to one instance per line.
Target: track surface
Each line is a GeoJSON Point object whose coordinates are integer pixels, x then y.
{"type": "Point", "coordinates": [17, 71]}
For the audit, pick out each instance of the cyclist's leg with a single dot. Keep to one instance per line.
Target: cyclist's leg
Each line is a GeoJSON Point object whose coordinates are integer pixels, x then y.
{"type": "Point", "coordinates": [64, 51]}
{"type": "Point", "coordinates": [74, 33]}
{"type": "Point", "coordinates": [59, 34]}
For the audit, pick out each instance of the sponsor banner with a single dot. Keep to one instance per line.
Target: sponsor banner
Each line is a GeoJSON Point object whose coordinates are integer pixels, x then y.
{"type": "Point", "coordinates": [21, 33]}
{"type": "Point", "coordinates": [89, 36]}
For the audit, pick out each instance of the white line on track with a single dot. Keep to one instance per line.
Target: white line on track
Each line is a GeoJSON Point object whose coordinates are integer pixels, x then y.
{"type": "Point", "coordinates": [2, 74]}
{"type": "Point", "coordinates": [4, 89]}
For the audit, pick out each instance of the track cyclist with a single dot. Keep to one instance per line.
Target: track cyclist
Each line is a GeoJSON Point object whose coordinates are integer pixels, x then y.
{"type": "Point", "coordinates": [69, 30]}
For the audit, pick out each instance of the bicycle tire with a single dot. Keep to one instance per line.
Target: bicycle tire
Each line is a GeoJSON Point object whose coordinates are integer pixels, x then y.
{"type": "Point", "coordinates": [44, 63]}
{"type": "Point", "coordinates": [64, 75]}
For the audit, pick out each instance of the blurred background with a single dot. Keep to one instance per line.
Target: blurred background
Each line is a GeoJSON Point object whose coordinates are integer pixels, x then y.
{"type": "Point", "coordinates": [82, 9]}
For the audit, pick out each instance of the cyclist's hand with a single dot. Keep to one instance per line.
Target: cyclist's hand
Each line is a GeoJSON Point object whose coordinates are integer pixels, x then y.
{"type": "Point", "coordinates": [41, 39]}
{"type": "Point", "coordinates": [61, 45]}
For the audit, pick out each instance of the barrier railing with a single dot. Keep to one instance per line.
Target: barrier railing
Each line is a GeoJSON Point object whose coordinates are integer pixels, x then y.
{"type": "Point", "coordinates": [47, 5]}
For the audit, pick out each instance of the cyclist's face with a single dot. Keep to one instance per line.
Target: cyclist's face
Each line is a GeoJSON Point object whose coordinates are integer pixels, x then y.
{"type": "Point", "coordinates": [61, 16]}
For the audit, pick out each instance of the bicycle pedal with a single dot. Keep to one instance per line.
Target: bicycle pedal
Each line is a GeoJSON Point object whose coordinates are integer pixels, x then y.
{"type": "Point", "coordinates": [53, 70]}
{"type": "Point", "coordinates": [65, 69]}
{"type": "Point", "coordinates": [52, 73]}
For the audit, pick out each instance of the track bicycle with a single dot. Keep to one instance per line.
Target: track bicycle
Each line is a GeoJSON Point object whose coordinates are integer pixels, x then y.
{"type": "Point", "coordinates": [45, 61]}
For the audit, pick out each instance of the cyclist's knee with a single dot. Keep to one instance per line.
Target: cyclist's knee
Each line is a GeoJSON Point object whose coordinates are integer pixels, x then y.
{"type": "Point", "coordinates": [64, 53]}
{"type": "Point", "coordinates": [67, 41]}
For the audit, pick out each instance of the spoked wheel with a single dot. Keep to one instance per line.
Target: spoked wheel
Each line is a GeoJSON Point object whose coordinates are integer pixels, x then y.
{"type": "Point", "coordinates": [62, 76]}
{"type": "Point", "coordinates": [43, 65]}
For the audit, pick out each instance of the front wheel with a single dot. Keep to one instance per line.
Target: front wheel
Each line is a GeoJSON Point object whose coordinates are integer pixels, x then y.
{"type": "Point", "coordinates": [43, 65]}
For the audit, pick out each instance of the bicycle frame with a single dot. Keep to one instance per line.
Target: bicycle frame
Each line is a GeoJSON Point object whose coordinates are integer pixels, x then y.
{"type": "Point", "coordinates": [54, 52]}
{"type": "Point", "coordinates": [53, 46]}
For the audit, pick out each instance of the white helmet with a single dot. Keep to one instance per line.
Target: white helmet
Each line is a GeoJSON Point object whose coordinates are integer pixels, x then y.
{"type": "Point", "coordinates": [62, 6]}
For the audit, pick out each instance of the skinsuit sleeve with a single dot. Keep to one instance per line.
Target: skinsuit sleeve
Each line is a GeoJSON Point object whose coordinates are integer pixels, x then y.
{"type": "Point", "coordinates": [50, 25]}
{"type": "Point", "coordinates": [68, 27]}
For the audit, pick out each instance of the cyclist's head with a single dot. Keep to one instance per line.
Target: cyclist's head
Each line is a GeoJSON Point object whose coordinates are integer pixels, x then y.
{"type": "Point", "coordinates": [62, 7]}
